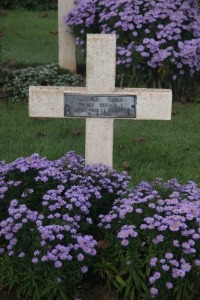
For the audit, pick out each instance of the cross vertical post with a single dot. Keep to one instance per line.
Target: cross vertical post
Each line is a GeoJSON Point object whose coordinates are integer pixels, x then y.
{"type": "Point", "coordinates": [100, 70]}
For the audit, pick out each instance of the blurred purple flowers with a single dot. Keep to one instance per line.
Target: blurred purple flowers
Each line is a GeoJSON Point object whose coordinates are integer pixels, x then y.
{"type": "Point", "coordinates": [155, 33]}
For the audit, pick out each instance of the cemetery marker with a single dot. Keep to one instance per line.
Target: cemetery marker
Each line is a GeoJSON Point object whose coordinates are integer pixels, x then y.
{"type": "Point", "coordinates": [100, 102]}
{"type": "Point", "coordinates": [66, 40]}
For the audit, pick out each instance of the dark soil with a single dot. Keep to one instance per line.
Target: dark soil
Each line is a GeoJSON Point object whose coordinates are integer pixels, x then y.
{"type": "Point", "coordinates": [90, 292]}
{"type": "Point", "coordinates": [94, 291]}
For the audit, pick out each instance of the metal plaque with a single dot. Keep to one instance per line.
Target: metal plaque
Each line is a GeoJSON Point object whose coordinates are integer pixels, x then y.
{"type": "Point", "coordinates": [100, 106]}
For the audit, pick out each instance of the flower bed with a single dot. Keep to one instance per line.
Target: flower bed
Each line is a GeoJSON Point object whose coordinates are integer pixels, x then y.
{"type": "Point", "coordinates": [62, 221]}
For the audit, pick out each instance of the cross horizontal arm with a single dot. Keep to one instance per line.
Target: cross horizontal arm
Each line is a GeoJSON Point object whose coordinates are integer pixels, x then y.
{"type": "Point", "coordinates": [48, 102]}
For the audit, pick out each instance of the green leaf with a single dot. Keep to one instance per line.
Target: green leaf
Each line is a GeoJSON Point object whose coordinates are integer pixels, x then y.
{"type": "Point", "coordinates": [148, 270]}
{"type": "Point", "coordinates": [128, 287]}
{"type": "Point", "coordinates": [117, 285]}
{"type": "Point", "coordinates": [123, 271]}
{"type": "Point", "coordinates": [120, 280]}
{"type": "Point", "coordinates": [132, 294]}
{"type": "Point", "coordinates": [137, 280]}
{"type": "Point", "coordinates": [144, 286]}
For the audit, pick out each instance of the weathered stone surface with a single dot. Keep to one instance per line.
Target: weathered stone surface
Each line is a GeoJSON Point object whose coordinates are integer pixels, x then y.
{"type": "Point", "coordinates": [101, 63]}
{"type": "Point", "coordinates": [66, 40]}
{"type": "Point", "coordinates": [99, 141]}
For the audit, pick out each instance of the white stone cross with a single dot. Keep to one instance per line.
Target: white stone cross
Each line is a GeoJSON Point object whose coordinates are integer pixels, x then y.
{"type": "Point", "coordinates": [152, 104]}
{"type": "Point", "coordinates": [66, 40]}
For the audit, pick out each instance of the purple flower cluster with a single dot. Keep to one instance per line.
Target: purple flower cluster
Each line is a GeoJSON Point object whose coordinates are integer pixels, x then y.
{"type": "Point", "coordinates": [53, 214]}
{"type": "Point", "coordinates": [47, 211]}
{"type": "Point", "coordinates": [154, 33]}
{"type": "Point", "coordinates": [167, 226]}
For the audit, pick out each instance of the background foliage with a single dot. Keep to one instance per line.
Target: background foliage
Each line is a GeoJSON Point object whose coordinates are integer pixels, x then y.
{"type": "Point", "coordinates": [29, 4]}
{"type": "Point", "coordinates": [16, 82]}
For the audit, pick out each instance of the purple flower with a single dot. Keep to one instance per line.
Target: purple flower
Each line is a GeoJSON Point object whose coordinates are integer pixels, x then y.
{"type": "Point", "coordinates": [124, 242]}
{"type": "Point", "coordinates": [8, 236]}
{"type": "Point", "coordinates": [58, 264]}
{"type": "Point", "coordinates": [128, 262]}
{"type": "Point", "coordinates": [186, 267]}
{"type": "Point", "coordinates": [2, 250]}
{"type": "Point", "coordinates": [59, 280]}
{"type": "Point", "coordinates": [153, 261]}
{"type": "Point", "coordinates": [169, 285]}
{"type": "Point", "coordinates": [21, 254]}
{"type": "Point", "coordinates": [80, 257]}
{"type": "Point", "coordinates": [36, 252]}
{"type": "Point", "coordinates": [158, 239]}
{"type": "Point", "coordinates": [140, 48]}
{"type": "Point", "coordinates": [89, 220]}
{"type": "Point", "coordinates": [197, 262]}
{"type": "Point", "coordinates": [174, 262]}
{"type": "Point", "coordinates": [84, 269]}
{"type": "Point", "coordinates": [157, 275]}
{"type": "Point", "coordinates": [176, 243]}
{"type": "Point", "coordinates": [165, 267]}
{"type": "Point", "coordinates": [154, 292]}
{"type": "Point", "coordinates": [196, 236]}
{"type": "Point", "coordinates": [35, 260]}
{"type": "Point", "coordinates": [169, 255]}
{"type": "Point", "coordinates": [139, 210]}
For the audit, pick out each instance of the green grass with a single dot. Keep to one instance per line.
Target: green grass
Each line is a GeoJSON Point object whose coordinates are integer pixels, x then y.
{"type": "Point", "coordinates": [171, 149]}
{"type": "Point", "coordinates": [27, 37]}
{"type": "Point", "coordinates": [21, 135]}
{"type": "Point", "coordinates": [168, 149]}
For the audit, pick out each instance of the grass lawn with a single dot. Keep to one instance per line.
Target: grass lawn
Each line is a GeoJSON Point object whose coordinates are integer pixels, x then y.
{"type": "Point", "coordinates": [165, 149]}
{"type": "Point", "coordinates": [152, 149]}
{"type": "Point", "coordinates": [29, 37]}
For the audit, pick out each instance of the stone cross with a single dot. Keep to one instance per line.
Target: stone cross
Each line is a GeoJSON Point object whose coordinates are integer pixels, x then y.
{"type": "Point", "coordinates": [66, 40]}
{"type": "Point", "coordinates": [100, 102]}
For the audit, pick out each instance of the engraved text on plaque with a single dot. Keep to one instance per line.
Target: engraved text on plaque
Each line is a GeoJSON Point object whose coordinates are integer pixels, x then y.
{"type": "Point", "coordinates": [100, 106]}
